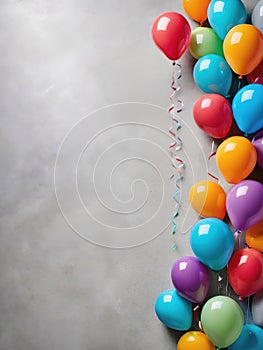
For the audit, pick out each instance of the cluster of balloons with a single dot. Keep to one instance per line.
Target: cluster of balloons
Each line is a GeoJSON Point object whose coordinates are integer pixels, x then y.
{"type": "Point", "coordinates": [228, 48]}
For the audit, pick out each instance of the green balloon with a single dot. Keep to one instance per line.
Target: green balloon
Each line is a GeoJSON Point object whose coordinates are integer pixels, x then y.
{"type": "Point", "coordinates": [222, 320]}
{"type": "Point", "coordinates": [205, 41]}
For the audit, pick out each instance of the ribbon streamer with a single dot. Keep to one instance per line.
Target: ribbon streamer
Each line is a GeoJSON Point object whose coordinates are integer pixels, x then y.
{"type": "Point", "coordinates": [177, 163]}
{"type": "Point", "coordinates": [211, 155]}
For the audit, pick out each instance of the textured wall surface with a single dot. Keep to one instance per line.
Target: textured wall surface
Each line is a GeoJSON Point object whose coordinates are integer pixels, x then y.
{"type": "Point", "coordinates": [86, 200]}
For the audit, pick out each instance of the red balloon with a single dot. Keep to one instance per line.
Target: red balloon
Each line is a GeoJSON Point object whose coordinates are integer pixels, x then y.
{"type": "Point", "coordinates": [172, 34]}
{"type": "Point", "coordinates": [245, 271]}
{"type": "Point", "coordinates": [213, 114]}
{"type": "Point", "coordinates": [256, 76]}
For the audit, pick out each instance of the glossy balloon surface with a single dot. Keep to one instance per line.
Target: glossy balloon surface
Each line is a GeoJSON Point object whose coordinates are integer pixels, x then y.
{"type": "Point", "coordinates": [222, 320]}
{"type": "Point", "coordinates": [190, 278]}
{"type": "Point", "coordinates": [224, 15]}
{"type": "Point", "coordinates": [173, 310]}
{"type": "Point", "coordinates": [212, 242]}
{"type": "Point", "coordinates": [205, 41]}
{"type": "Point", "coordinates": [195, 340]}
{"type": "Point", "coordinates": [244, 204]}
{"type": "Point", "coordinates": [247, 108]}
{"type": "Point", "coordinates": [256, 76]}
{"type": "Point", "coordinates": [251, 338]}
{"type": "Point", "coordinates": [257, 308]}
{"type": "Point", "coordinates": [208, 199]}
{"type": "Point", "coordinates": [258, 144]}
{"type": "Point", "coordinates": [236, 157]}
{"type": "Point", "coordinates": [243, 48]}
{"type": "Point", "coordinates": [195, 9]}
{"type": "Point", "coordinates": [254, 236]}
{"type": "Point", "coordinates": [172, 34]}
{"type": "Point", "coordinates": [245, 271]}
{"type": "Point", "coordinates": [257, 16]}
{"type": "Point", "coordinates": [212, 74]}
{"type": "Point", "coordinates": [213, 114]}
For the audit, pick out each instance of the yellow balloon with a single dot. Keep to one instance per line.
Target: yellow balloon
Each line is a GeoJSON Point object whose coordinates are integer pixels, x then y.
{"type": "Point", "coordinates": [236, 157]}
{"type": "Point", "coordinates": [243, 48]}
{"type": "Point", "coordinates": [254, 236]}
{"type": "Point", "coordinates": [196, 9]}
{"type": "Point", "coordinates": [208, 199]}
{"type": "Point", "coordinates": [194, 340]}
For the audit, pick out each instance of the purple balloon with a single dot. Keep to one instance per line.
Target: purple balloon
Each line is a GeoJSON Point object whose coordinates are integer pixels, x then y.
{"type": "Point", "coordinates": [244, 204]}
{"type": "Point", "coordinates": [258, 143]}
{"type": "Point", "coordinates": [190, 278]}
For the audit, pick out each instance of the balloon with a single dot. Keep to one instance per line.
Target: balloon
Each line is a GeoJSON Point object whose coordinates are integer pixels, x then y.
{"type": "Point", "coordinates": [257, 16]}
{"type": "Point", "coordinates": [173, 310]}
{"type": "Point", "coordinates": [195, 340]}
{"type": "Point", "coordinates": [254, 236]}
{"type": "Point", "coordinates": [190, 278]}
{"type": "Point", "coordinates": [245, 269]}
{"type": "Point", "coordinates": [213, 114]}
{"type": "Point", "coordinates": [208, 199]}
{"type": "Point", "coordinates": [213, 74]}
{"type": "Point", "coordinates": [243, 48]}
{"type": "Point", "coordinates": [258, 144]}
{"type": "Point", "coordinates": [224, 15]}
{"type": "Point", "coordinates": [205, 41]}
{"type": "Point", "coordinates": [222, 320]}
{"type": "Point", "coordinates": [195, 9]}
{"type": "Point", "coordinates": [256, 76]}
{"type": "Point", "coordinates": [247, 108]}
{"type": "Point", "coordinates": [251, 338]}
{"type": "Point", "coordinates": [172, 34]}
{"type": "Point", "coordinates": [244, 204]}
{"type": "Point", "coordinates": [236, 157]}
{"type": "Point", "coordinates": [212, 242]}
{"type": "Point", "coordinates": [257, 308]}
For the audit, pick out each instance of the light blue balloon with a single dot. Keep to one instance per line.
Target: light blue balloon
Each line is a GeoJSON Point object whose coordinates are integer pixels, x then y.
{"type": "Point", "coordinates": [226, 14]}
{"type": "Point", "coordinates": [174, 311]}
{"type": "Point", "coordinates": [251, 338]}
{"type": "Point", "coordinates": [212, 242]}
{"type": "Point", "coordinates": [247, 108]}
{"type": "Point", "coordinates": [213, 74]}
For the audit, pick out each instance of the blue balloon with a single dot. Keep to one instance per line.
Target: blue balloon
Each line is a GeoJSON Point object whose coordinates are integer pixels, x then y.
{"type": "Point", "coordinates": [226, 14]}
{"type": "Point", "coordinates": [247, 108]}
{"type": "Point", "coordinates": [213, 74]}
{"type": "Point", "coordinates": [174, 311]}
{"type": "Point", "coordinates": [251, 338]}
{"type": "Point", "coordinates": [212, 242]}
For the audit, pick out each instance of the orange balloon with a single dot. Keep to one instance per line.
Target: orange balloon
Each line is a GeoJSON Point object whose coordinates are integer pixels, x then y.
{"type": "Point", "coordinates": [254, 236]}
{"type": "Point", "coordinates": [243, 48]}
{"type": "Point", "coordinates": [194, 340]}
{"type": "Point", "coordinates": [196, 9]}
{"type": "Point", "coordinates": [236, 157]}
{"type": "Point", "coordinates": [208, 199]}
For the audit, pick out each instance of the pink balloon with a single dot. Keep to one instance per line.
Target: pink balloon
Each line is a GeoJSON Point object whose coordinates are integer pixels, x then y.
{"type": "Point", "coordinates": [244, 204]}
{"type": "Point", "coordinates": [258, 143]}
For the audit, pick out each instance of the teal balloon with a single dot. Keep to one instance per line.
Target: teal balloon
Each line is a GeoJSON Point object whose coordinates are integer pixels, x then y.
{"type": "Point", "coordinates": [247, 108]}
{"type": "Point", "coordinates": [226, 14]}
{"type": "Point", "coordinates": [212, 74]}
{"type": "Point", "coordinates": [173, 310]}
{"type": "Point", "coordinates": [251, 338]}
{"type": "Point", "coordinates": [212, 242]}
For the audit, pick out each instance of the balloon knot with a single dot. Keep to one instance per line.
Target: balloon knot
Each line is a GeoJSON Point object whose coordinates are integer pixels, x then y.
{"type": "Point", "coordinates": [240, 77]}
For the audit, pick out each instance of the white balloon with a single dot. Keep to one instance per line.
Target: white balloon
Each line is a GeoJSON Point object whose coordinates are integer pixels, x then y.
{"type": "Point", "coordinates": [257, 16]}
{"type": "Point", "coordinates": [257, 308]}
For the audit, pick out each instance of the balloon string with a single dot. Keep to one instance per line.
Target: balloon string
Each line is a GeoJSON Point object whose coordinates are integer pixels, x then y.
{"type": "Point", "coordinates": [219, 286]}
{"type": "Point", "coordinates": [211, 155]}
{"type": "Point", "coordinates": [177, 162]}
{"type": "Point", "coordinates": [248, 309]}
